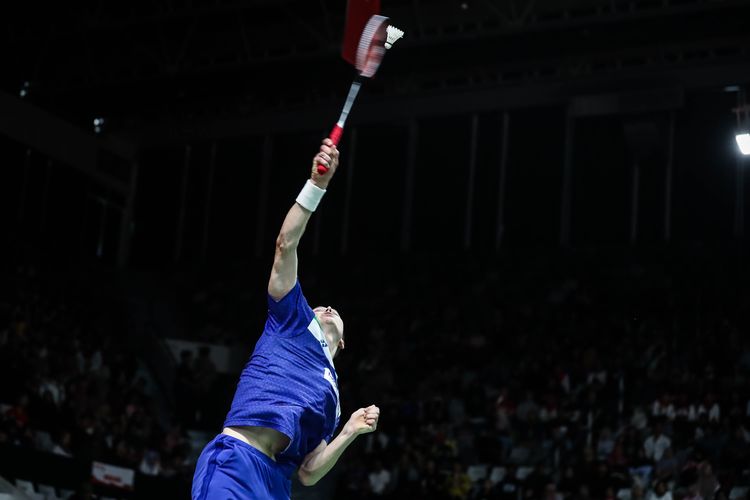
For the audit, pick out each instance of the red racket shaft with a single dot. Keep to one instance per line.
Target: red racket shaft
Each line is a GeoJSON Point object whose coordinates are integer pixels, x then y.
{"type": "Point", "coordinates": [338, 129]}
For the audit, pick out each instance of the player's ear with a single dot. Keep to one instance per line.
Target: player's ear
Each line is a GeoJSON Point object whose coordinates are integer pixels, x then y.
{"type": "Point", "coordinates": [341, 344]}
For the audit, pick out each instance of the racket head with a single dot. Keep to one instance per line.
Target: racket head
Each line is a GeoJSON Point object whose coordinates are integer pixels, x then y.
{"type": "Point", "coordinates": [371, 48]}
{"type": "Point", "coordinates": [358, 13]}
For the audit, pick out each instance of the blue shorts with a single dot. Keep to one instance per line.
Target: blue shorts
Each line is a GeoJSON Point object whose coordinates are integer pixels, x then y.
{"type": "Point", "coordinates": [232, 469]}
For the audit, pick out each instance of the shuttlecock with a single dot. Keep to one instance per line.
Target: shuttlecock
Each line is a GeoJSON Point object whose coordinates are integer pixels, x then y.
{"type": "Point", "coordinates": [393, 34]}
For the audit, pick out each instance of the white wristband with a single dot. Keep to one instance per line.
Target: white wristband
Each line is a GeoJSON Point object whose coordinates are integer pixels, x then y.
{"type": "Point", "coordinates": [310, 196]}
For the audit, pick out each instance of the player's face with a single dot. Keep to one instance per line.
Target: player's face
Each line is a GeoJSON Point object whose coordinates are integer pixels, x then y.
{"type": "Point", "coordinates": [328, 316]}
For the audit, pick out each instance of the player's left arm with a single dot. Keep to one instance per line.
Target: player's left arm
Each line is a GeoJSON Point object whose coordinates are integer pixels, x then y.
{"type": "Point", "coordinates": [318, 462]}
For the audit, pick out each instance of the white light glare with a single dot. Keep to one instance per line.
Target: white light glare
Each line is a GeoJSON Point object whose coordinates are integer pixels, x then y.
{"type": "Point", "coordinates": [743, 141]}
{"type": "Point", "coordinates": [98, 123]}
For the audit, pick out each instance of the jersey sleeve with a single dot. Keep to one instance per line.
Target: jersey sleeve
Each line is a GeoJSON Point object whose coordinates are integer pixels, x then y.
{"type": "Point", "coordinates": [290, 315]}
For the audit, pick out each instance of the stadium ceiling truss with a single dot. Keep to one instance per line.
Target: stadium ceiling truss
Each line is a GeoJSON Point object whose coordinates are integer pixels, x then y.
{"type": "Point", "coordinates": [193, 70]}
{"type": "Point", "coordinates": [192, 49]}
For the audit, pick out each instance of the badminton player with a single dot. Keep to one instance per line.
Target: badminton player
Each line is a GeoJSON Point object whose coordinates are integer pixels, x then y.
{"type": "Point", "coordinates": [286, 406]}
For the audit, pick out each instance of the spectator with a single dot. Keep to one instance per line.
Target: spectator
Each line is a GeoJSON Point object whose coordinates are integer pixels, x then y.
{"type": "Point", "coordinates": [509, 487]}
{"type": "Point", "coordinates": [205, 371]}
{"type": "Point", "coordinates": [708, 484]}
{"type": "Point", "coordinates": [605, 445]}
{"type": "Point", "coordinates": [62, 446]}
{"type": "Point", "coordinates": [19, 412]}
{"type": "Point", "coordinates": [583, 493]}
{"type": "Point", "coordinates": [656, 443]}
{"type": "Point", "coordinates": [618, 457]}
{"type": "Point", "coordinates": [458, 483]}
{"type": "Point", "coordinates": [639, 420]}
{"type": "Point", "coordinates": [528, 410]}
{"type": "Point", "coordinates": [431, 485]}
{"type": "Point", "coordinates": [660, 492]}
{"type": "Point", "coordinates": [551, 493]}
{"type": "Point", "coordinates": [668, 467]}
{"type": "Point", "coordinates": [150, 464]}
{"type": "Point", "coordinates": [406, 478]}
{"type": "Point", "coordinates": [379, 479]}
{"type": "Point", "coordinates": [569, 482]}
{"type": "Point", "coordinates": [636, 492]}
{"type": "Point", "coordinates": [485, 490]}
{"type": "Point", "coordinates": [185, 387]}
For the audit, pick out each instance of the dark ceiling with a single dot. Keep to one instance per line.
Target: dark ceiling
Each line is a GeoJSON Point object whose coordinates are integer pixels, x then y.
{"type": "Point", "coordinates": [151, 62]}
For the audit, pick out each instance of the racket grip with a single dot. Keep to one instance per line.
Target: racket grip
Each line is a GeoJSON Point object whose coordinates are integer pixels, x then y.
{"type": "Point", "coordinates": [335, 136]}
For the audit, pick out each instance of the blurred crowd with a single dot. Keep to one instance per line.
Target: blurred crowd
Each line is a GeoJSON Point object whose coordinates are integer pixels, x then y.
{"type": "Point", "coordinates": [593, 375]}
{"type": "Point", "coordinates": [69, 385]}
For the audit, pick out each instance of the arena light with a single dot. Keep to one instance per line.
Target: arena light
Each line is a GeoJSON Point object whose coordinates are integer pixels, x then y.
{"type": "Point", "coordinates": [743, 141]}
{"type": "Point", "coordinates": [98, 124]}
{"type": "Point", "coordinates": [742, 111]}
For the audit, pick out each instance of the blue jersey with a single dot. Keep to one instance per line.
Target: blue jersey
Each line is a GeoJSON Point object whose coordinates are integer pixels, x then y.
{"type": "Point", "coordinates": [290, 383]}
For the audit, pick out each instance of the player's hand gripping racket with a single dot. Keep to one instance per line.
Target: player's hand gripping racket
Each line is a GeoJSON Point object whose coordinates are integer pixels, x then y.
{"type": "Point", "coordinates": [366, 56]}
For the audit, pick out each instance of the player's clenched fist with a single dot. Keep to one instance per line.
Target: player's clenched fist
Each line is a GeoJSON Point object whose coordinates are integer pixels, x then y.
{"type": "Point", "coordinates": [363, 420]}
{"type": "Point", "coordinates": [329, 158]}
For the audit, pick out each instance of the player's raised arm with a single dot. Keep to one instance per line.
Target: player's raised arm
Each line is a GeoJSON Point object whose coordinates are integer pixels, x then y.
{"type": "Point", "coordinates": [284, 271]}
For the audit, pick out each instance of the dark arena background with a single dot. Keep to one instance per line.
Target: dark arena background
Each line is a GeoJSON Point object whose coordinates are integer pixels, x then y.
{"type": "Point", "coordinates": [536, 238]}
